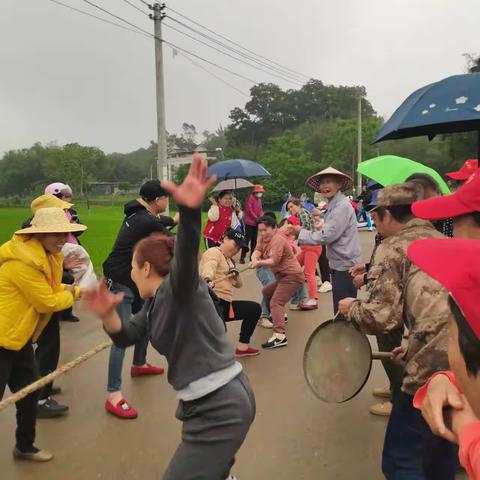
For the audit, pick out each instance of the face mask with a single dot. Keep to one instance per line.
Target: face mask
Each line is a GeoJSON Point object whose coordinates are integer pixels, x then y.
{"type": "Point", "coordinates": [259, 195]}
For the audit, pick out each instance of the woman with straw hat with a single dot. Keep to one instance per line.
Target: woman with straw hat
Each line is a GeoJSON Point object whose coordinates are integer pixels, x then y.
{"type": "Point", "coordinates": [30, 292]}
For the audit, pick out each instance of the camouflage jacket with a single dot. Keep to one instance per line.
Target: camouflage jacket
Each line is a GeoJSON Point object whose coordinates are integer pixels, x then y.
{"type": "Point", "coordinates": [399, 294]}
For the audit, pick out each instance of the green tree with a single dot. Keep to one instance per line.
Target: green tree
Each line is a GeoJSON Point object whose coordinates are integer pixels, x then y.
{"type": "Point", "coordinates": [289, 162]}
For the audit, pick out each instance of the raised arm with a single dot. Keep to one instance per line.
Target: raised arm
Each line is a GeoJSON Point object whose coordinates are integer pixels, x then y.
{"type": "Point", "coordinates": [189, 197]}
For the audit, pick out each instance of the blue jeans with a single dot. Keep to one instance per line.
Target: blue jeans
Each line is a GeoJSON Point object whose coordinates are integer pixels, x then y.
{"type": "Point", "coordinates": [115, 362]}
{"type": "Point", "coordinates": [266, 276]}
{"type": "Point", "coordinates": [410, 450]}
{"type": "Point", "coordinates": [365, 216]}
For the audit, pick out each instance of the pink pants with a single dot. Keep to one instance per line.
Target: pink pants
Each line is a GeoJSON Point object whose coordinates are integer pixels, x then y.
{"type": "Point", "coordinates": [308, 258]}
{"type": "Point", "coordinates": [278, 293]}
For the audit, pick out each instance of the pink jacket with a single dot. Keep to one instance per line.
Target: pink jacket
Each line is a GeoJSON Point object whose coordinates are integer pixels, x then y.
{"type": "Point", "coordinates": [253, 210]}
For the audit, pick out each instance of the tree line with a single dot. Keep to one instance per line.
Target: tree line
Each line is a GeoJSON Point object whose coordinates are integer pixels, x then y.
{"type": "Point", "coordinates": [293, 133]}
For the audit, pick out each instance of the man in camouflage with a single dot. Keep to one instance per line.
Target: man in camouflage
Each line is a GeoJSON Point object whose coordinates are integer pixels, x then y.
{"type": "Point", "coordinates": [399, 294]}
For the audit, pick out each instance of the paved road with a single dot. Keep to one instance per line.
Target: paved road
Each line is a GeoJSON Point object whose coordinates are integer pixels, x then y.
{"type": "Point", "coordinates": [295, 436]}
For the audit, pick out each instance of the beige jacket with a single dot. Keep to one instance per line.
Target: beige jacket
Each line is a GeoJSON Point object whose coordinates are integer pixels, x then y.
{"type": "Point", "coordinates": [215, 266]}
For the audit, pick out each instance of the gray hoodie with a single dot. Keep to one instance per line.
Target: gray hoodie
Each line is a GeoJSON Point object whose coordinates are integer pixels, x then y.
{"type": "Point", "coordinates": [181, 320]}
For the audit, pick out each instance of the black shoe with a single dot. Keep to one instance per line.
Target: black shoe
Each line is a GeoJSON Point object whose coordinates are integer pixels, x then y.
{"type": "Point", "coordinates": [70, 318]}
{"type": "Point", "coordinates": [50, 408]}
{"type": "Point", "coordinates": [242, 261]}
{"type": "Point", "coordinates": [275, 342]}
{"type": "Point", "coordinates": [56, 391]}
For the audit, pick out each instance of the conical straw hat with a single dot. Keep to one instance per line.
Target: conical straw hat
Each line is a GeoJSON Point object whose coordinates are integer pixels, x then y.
{"type": "Point", "coordinates": [314, 181]}
{"type": "Point", "coordinates": [51, 220]}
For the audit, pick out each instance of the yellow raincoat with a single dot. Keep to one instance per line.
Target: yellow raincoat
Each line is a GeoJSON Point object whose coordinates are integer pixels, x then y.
{"type": "Point", "coordinates": [30, 290]}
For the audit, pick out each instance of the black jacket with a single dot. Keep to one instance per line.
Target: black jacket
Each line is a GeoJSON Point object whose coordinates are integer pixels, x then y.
{"type": "Point", "coordinates": [138, 223]}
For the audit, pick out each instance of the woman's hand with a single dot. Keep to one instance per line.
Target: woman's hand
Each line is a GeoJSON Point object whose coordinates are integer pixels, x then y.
{"type": "Point", "coordinates": [192, 191]}
{"type": "Point", "coordinates": [71, 261]}
{"type": "Point", "coordinates": [441, 393]}
{"type": "Point", "coordinates": [398, 354]}
{"type": "Point", "coordinates": [101, 301]}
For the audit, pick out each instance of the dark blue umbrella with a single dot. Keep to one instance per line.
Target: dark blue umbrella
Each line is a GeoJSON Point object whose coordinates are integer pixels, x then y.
{"type": "Point", "coordinates": [448, 106]}
{"type": "Point", "coordinates": [237, 168]}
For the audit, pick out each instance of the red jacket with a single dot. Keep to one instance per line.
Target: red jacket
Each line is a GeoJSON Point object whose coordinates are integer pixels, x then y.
{"type": "Point", "coordinates": [215, 230]}
{"type": "Point", "coordinates": [253, 210]}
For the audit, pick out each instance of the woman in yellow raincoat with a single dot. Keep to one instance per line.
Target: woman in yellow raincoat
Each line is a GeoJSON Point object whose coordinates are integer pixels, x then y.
{"type": "Point", "coordinates": [30, 291]}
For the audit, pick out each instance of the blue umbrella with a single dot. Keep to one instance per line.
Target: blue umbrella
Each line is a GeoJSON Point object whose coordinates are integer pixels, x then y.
{"type": "Point", "coordinates": [448, 106]}
{"type": "Point", "coordinates": [237, 168]}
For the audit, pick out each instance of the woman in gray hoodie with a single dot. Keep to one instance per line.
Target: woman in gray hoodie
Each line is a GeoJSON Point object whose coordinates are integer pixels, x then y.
{"type": "Point", "coordinates": [216, 402]}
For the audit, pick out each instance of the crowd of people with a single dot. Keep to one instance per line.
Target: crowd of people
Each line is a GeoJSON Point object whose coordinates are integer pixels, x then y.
{"type": "Point", "coordinates": [418, 303]}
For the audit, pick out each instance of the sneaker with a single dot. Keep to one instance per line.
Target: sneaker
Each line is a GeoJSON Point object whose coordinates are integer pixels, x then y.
{"type": "Point", "coordinates": [249, 352]}
{"type": "Point", "coordinates": [381, 409]}
{"type": "Point", "coordinates": [383, 392]}
{"type": "Point", "coordinates": [50, 408]}
{"type": "Point", "coordinates": [34, 455]}
{"type": "Point", "coordinates": [275, 342]}
{"type": "Point", "coordinates": [242, 261]}
{"type": "Point", "coordinates": [231, 477]}
{"type": "Point", "coordinates": [148, 370]}
{"type": "Point", "coordinates": [265, 323]}
{"type": "Point", "coordinates": [295, 306]}
{"type": "Point", "coordinates": [121, 410]}
{"type": "Point", "coordinates": [310, 304]}
{"type": "Point", "coordinates": [325, 287]}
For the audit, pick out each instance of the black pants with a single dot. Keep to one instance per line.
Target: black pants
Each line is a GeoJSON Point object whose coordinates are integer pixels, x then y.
{"type": "Point", "coordinates": [325, 272]}
{"type": "Point", "coordinates": [17, 370]}
{"type": "Point", "coordinates": [342, 287]}
{"type": "Point", "coordinates": [386, 343]}
{"type": "Point", "coordinates": [247, 311]}
{"type": "Point", "coordinates": [47, 352]}
{"type": "Point", "coordinates": [251, 233]}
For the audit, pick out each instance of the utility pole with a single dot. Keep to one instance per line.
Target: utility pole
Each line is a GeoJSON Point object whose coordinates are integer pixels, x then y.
{"type": "Point", "coordinates": [359, 144]}
{"type": "Point", "coordinates": [157, 17]}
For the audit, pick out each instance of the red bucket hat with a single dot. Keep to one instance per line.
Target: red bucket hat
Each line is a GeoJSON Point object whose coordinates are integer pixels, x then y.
{"type": "Point", "coordinates": [258, 189]}
{"type": "Point", "coordinates": [469, 167]}
{"type": "Point", "coordinates": [452, 263]}
{"type": "Point", "coordinates": [465, 200]}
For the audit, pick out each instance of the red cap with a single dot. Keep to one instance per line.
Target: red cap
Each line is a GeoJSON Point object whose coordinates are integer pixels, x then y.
{"type": "Point", "coordinates": [452, 262]}
{"type": "Point", "coordinates": [469, 167]}
{"type": "Point", "coordinates": [294, 221]}
{"type": "Point", "coordinates": [258, 189]}
{"type": "Point", "coordinates": [465, 200]}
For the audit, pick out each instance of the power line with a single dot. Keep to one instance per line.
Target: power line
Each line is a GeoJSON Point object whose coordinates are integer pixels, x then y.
{"type": "Point", "coordinates": [145, 3]}
{"type": "Point", "coordinates": [83, 12]}
{"type": "Point", "coordinates": [236, 44]}
{"type": "Point", "coordinates": [209, 62]}
{"type": "Point", "coordinates": [171, 45]}
{"type": "Point", "coordinates": [136, 8]}
{"type": "Point", "coordinates": [211, 73]}
{"type": "Point", "coordinates": [282, 71]}
{"type": "Point", "coordinates": [297, 82]}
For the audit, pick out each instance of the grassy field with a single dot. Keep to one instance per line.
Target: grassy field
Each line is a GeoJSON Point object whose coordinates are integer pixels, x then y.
{"type": "Point", "coordinates": [103, 224]}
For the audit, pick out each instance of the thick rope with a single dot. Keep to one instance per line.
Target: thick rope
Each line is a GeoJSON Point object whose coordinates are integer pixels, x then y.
{"type": "Point", "coordinates": [52, 376]}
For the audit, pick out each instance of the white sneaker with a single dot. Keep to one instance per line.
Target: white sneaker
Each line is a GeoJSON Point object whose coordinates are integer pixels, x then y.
{"type": "Point", "coordinates": [295, 306]}
{"type": "Point", "coordinates": [231, 477]}
{"type": "Point", "coordinates": [266, 323]}
{"type": "Point", "coordinates": [325, 287]}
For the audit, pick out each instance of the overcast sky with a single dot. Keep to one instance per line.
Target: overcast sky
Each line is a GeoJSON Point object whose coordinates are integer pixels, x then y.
{"type": "Point", "coordinates": [68, 78]}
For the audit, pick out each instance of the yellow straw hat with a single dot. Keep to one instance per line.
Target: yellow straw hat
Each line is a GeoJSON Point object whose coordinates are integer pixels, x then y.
{"type": "Point", "coordinates": [51, 220]}
{"type": "Point", "coordinates": [48, 201]}
{"type": "Point", "coordinates": [314, 181]}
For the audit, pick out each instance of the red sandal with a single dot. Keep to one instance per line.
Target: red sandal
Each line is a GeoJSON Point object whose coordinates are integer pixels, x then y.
{"type": "Point", "coordinates": [121, 410]}
{"type": "Point", "coordinates": [148, 370]}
